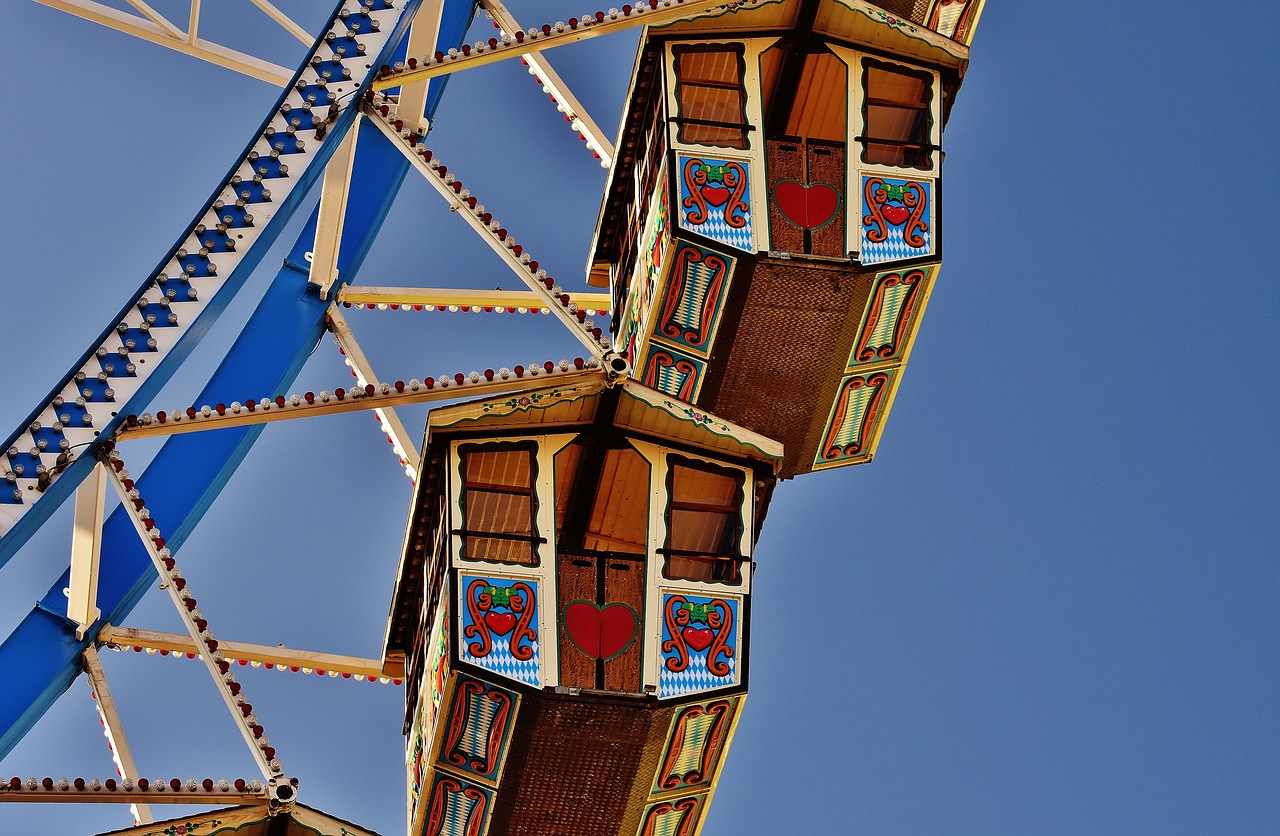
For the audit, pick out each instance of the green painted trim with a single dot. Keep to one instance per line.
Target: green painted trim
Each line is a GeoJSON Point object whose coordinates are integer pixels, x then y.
{"type": "Point", "coordinates": [690, 419]}
{"type": "Point", "coordinates": [559, 396]}
{"type": "Point", "coordinates": [906, 28]}
{"type": "Point", "coordinates": [171, 828]}
{"type": "Point", "coordinates": [720, 11]}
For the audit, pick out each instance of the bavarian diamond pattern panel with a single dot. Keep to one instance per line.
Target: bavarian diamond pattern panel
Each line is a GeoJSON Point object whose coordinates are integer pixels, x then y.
{"type": "Point", "coordinates": [498, 626]}
{"type": "Point", "coordinates": [700, 644]}
{"type": "Point", "coordinates": [715, 200]}
{"type": "Point", "coordinates": [897, 219]}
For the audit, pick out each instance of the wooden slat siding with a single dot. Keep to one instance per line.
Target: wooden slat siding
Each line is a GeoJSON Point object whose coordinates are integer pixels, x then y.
{"type": "Point", "coordinates": [826, 162]}
{"type": "Point", "coordinates": [785, 161]}
{"type": "Point", "coordinates": [624, 584]}
{"type": "Point", "coordinates": [577, 669]}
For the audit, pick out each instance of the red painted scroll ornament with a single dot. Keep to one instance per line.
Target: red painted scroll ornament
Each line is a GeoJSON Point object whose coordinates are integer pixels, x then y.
{"type": "Point", "coordinates": [680, 616]}
{"type": "Point", "coordinates": [483, 602]}
{"type": "Point", "coordinates": [889, 204]}
{"type": "Point", "coordinates": [714, 186]}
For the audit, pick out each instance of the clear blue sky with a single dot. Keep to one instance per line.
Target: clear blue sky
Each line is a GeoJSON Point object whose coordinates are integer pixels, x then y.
{"type": "Point", "coordinates": [1049, 606]}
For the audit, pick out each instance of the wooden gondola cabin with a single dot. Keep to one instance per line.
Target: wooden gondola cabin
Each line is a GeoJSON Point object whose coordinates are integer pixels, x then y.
{"type": "Point", "coordinates": [572, 608]}
{"type": "Point", "coordinates": [771, 228]}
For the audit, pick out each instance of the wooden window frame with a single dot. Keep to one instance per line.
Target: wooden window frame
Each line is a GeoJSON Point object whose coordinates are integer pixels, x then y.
{"type": "Point", "coordinates": [726, 566]}
{"type": "Point", "coordinates": [465, 532]}
{"type": "Point", "coordinates": [926, 146]}
{"type": "Point", "coordinates": [743, 126]}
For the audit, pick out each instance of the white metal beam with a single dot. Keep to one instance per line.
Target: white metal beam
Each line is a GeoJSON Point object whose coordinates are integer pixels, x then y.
{"type": "Point", "coordinates": [333, 211]}
{"type": "Point", "coordinates": [554, 86]}
{"type": "Point", "coordinates": [156, 34]}
{"type": "Point", "coordinates": [391, 423]}
{"type": "Point", "coordinates": [422, 40]}
{"type": "Point", "coordinates": [459, 297]}
{"type": "Point", "coordinates": [467, 207]}
{"type": "Point", "coordinates": [473, 385]}
{"type": "Point", "coordinates": [275, 655]}
{"type": "Point", "coordinates": [285, 21]}
{"type": "Point", "coordinates": [86, 548]}
{"type": "Point", "coordinates": [157, 18]}
{"type": "Point", "coordinates": [667, 11]}
{"type": "Point", "coordinates": [193, 26]}
{"type": "Point", "coordinates": [185, 603]}
{"type": "Point", "coordinates": [112, 727]}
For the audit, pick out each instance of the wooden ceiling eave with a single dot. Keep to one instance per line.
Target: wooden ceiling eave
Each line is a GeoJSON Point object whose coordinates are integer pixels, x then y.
{"type": "Point", "coordinates": [622, 161]}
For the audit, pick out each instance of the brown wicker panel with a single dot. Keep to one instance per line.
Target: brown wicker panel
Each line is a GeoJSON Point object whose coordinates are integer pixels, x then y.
{"type": "Point", "coordinates": [624, 584]}
{"type": "Point", "coordinates": [577, 581]}
{"type": "Point", "coordinates": [571, 771]}
{"type": "Point", "coordinates": [778, 374]}
{"type": "Point", "coordinates": [826, 165]}
{"type": "Point", "coordinates": [654, 749]}
{"type": "Point", "coordinates": [785, 161]}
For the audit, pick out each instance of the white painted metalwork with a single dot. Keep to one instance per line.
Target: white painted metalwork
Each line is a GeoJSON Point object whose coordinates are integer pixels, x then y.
{"type": "Point", "coordinates": [167, 35]}
{"type": "Point", "coordinates": [86, 548]}
{"type": "Point", "coordinates": [470, 210]}
{"type": "Point", "coordinates": [268, 654]}
{"type": "Point", "coordinates": [112, 727]}
{"type": "Point", "coordinates": [473, 384]}
{"type": "Point", "coordinates": [460, 297]}
{"type": "Point", "coordinates": [333, 211]}
{"type": "Point", "coordinates": [148, 532]}
{"type": "Point", "coordinates": [667, 11]}
{"type": "Point", "coordinates": [401, 441]}
{"type": "Point", "coordinates": [553, 86]}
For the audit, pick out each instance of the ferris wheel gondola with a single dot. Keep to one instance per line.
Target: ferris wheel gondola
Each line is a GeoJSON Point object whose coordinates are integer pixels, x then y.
{"type": "Point", "coordinates": [366, 77]}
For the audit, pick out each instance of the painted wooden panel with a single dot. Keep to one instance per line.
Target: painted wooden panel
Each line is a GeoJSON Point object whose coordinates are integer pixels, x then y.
{"type": "Point", "coordinates": [897, 218]}
{"type": "Point", "coordinates": [697, 741]}
{"type": "Point", "coordinates": [785, 163]}
{"type": "Point", "coordinates": [577, 582]}
{"type": "Point", "coordinates": [677, 817]}
{"type": "Point", "coordinates": [860, 402]}
{"type": "Point", "coordinates": [601, 612]}
{"type": "Point", "coordinates": [824, 198]}
{"type": "Point", "coordinates": [695, 296]}
{"type": "Point", "coordinates": [700, 643]}
{"type": "Point", "coordinates": [457, 807]}
{"type": "Point", "coordinates": [673, 372]}
{"type": "Point", "coordinates": [624, 586]}
{"type": "Point", "coordinates": [895, 297]}
{"type": "Point", "coordinates": [715, 199]}
{"type": "Point", "coordinates": [498, 626]}
{"type": "Point", "coordinates": [477, 733]}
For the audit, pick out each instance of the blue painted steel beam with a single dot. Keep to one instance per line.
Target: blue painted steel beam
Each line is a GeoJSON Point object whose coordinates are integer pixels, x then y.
{"type": "Point", "coordinates": [41, 657]}
{"type": "Point", "coordinates": [62, 487]}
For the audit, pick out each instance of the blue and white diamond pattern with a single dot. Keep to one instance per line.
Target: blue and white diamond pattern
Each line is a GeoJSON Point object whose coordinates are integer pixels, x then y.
{"type": "Point", "coordinates": [695, 678]}
{"type": "Point", "coordinates": [714, 226]}
{"type": "Point", "coordinates": [716, 229]}
{"type": "Point", "coordinates": [500, 661]}
{"type": "Point", "coordinates": [893, 248]}
{"type": "Point", "coordinates": [690, 620]}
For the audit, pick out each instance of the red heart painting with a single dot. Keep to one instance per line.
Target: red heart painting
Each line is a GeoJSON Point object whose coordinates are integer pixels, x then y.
{"type": "Point", "coordinates": [699, 638]}
{"type": "Point", "coordinates": [715, 195]}
{"type": "Point", "coordinates": [500, 622]}
{"type": "Point", "coordinates": [895, 214]}
{"type": "Point", "coordinates": [808, 207]}
{"type": "Point", "coordinates": [600, 632]}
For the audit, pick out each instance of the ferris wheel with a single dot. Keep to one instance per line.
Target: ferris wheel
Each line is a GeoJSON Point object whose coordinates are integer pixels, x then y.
{"type": "Point", "coordinates": [323, 169]}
